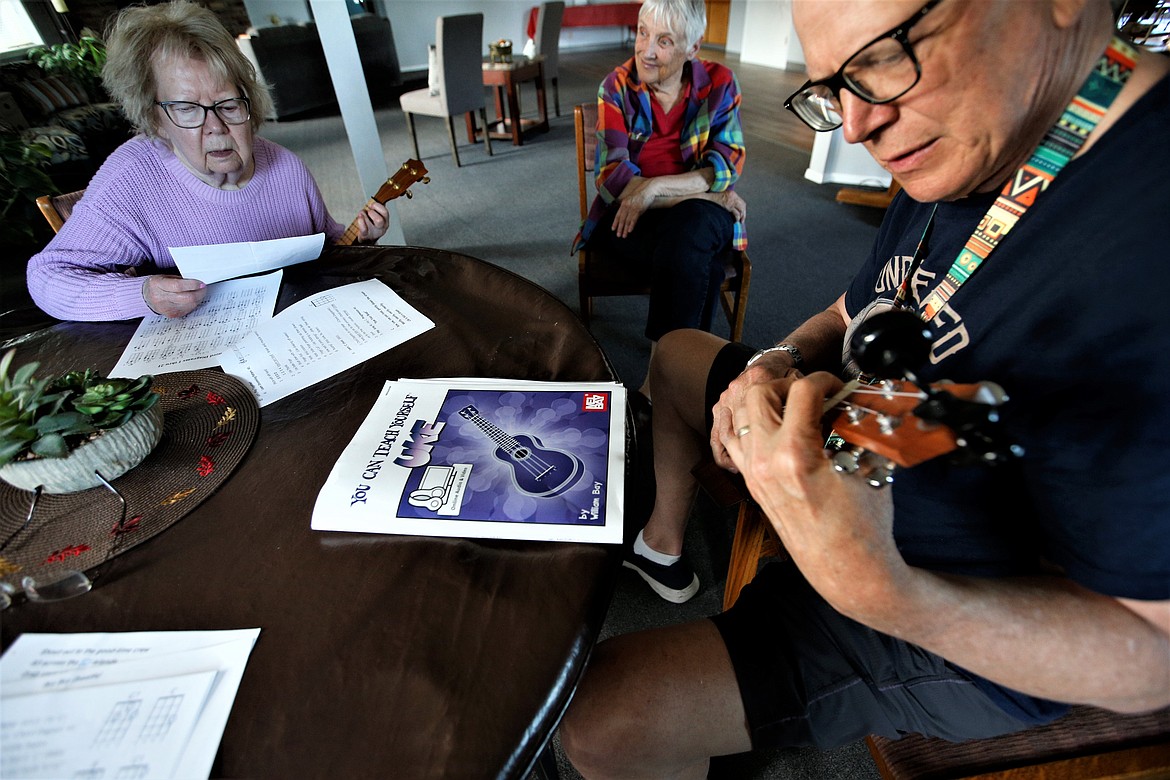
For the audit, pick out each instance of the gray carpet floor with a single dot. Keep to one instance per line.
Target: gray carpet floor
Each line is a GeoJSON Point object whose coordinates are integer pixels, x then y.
{"type": "Point", "coordinates": [518, 209]}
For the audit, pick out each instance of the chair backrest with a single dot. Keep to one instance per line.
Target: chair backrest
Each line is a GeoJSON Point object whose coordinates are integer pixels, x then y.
{"type": "Point", "coordinates": [459, 59]}
{"type": "Point", "coordinates": [585, 128]}
{"type": "Point", "coordinates": [57, 208]}
{"type": "Point", "coordinates": [548, 35]}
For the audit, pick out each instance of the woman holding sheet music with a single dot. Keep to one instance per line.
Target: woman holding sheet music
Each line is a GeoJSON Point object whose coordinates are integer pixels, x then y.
{"type": "Point", "coordinates": [196, 175]}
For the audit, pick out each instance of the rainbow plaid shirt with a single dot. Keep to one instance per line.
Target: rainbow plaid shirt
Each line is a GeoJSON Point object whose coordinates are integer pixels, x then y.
{"type": "Point", "coordinates": [711, 134]}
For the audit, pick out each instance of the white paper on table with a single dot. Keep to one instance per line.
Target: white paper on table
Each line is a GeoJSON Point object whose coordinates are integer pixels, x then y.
{"type": "Point", "coordinates": [216, 262]}
{"type": "Point", "coordinates": [321, 336]}
{"type": "Point", "coordinates": [48, 663]}
{"type": "Point", "coordinates": [231, 310]}
{"type": "Point", "coordinates": [133, 729]}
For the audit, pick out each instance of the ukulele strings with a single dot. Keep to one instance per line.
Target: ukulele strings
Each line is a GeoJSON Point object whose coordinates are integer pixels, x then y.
{"type": "Point", "coordinates": [533, 464]}
{"type": "Point", "coordinates": [844, 402]}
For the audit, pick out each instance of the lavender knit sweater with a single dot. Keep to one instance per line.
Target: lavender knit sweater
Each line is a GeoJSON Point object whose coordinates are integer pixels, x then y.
{"type": "Point", "coordinates": [144, 200]}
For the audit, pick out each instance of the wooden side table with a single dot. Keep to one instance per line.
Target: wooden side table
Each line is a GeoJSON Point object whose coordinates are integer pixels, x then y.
{"type": "Point", "coordinates": [505, 79]}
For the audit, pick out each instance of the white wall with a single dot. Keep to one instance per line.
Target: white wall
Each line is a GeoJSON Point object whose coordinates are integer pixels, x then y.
{"type": "Point", "coordinates": [735, 26]}
{"type": "Point", "coordinates": [768, 36]}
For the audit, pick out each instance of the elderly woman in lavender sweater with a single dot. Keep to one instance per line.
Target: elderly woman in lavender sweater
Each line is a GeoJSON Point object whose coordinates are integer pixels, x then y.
{"type": "Point", "coordinates": [197, 174]}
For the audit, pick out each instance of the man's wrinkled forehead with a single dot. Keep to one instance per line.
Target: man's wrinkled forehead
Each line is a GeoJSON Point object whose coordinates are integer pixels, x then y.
{"type": "Point", "coordinates": [831, 30]}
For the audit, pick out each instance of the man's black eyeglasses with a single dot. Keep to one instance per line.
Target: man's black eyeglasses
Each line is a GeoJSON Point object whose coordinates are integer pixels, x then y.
{"type": "Point", "coordinates": [188, 115]}
{"type": "Point", "coordinates": [881, 71]}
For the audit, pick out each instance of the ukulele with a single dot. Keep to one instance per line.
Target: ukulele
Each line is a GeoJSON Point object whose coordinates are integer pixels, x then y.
{"type": "Point", "coordinates": [886, 422]}
{"type": "Point", "coordinates": [398, 184]}
{"type": "Point", "coordinates": [537, 470]}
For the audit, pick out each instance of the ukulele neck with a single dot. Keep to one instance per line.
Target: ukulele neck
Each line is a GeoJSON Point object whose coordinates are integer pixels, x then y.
{"type": "Point", "coordinates": [352, 232]}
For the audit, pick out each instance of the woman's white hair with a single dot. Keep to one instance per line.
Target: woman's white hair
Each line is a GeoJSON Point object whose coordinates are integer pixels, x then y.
{"type": "Point", "coordinates": [687, 18]}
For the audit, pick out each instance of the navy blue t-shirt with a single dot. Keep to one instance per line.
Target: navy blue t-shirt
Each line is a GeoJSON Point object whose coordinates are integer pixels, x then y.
{"type": "Point", "coordinates": [1070, 316]}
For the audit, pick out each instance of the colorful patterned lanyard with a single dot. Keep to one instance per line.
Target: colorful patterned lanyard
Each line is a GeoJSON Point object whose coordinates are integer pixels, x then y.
{"type": "Point", "coordinates": [1060, 144]}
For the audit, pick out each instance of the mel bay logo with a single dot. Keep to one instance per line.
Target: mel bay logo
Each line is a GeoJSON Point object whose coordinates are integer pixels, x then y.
{"type": "Point", "coordinates": [594, 402]}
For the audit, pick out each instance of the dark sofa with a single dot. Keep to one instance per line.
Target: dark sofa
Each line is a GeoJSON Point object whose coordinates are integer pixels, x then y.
{"type": "Point", "coordinates": [291, 60]}
{"type": "Point", "coordinates": [80, 129]}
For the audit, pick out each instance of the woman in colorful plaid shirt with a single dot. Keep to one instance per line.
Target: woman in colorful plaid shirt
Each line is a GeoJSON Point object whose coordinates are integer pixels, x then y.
{"type": "Point", "coordinates": [669, 151]}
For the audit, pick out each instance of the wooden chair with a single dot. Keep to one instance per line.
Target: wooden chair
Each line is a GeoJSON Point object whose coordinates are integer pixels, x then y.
{"type": "Point", "coordinates": [599, 276]}
{"type": "Point", "coordinates": [1088, 744]}
{"type": "Point", "coordinates": [57, 208]}
{"type": "Point", "coordinates": [861, 197]}
{"type": "Point", "coordinates": [753, 541]}
{"type": "Point", "coordinates": [459, 59]}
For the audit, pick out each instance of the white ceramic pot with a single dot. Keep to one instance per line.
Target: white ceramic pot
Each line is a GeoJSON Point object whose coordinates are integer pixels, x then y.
{"type": "Point", "coordinates": [113, 454]}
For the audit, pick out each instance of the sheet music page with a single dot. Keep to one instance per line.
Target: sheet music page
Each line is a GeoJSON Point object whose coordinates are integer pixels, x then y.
{"type": "Point", "coordinates": [216, 262]}
{"type": "Point", "coordinates": [320, 336]}
{"type": "Point", "coordinates": [172, 687]}
{"type": "Point", "coordinates": [231, 310]}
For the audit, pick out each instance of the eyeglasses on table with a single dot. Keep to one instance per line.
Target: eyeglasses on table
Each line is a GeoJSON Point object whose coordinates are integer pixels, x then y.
{"type": "Point", "coordinates": [61, 584]}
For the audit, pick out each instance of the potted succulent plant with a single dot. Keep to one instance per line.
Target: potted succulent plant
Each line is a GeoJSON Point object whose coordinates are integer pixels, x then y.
{"type": "Point", "coordinates": [56, 432]}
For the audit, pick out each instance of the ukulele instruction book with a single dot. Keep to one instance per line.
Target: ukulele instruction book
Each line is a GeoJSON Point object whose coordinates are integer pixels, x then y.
{"type": "Point", "coordinates": [484, 458]}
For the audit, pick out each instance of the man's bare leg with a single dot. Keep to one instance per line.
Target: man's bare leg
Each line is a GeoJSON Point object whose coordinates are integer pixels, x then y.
{"type": "Point", "coordinates": [678, 374]}
{"type": "Point", "coordinates": [656, 704]}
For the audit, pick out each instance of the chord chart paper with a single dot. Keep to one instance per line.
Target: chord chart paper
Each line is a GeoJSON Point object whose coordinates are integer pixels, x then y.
{"type": "Point", "coordinates": [232, 310]}
{"type": "Point", "coordinates": [128, 730]}
{"type": "Point", "coordinates": [49, 664]}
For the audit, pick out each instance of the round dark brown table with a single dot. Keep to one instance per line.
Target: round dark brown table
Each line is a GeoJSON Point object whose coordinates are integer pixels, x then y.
{"type": "Point", "coordinates": [379, 656]}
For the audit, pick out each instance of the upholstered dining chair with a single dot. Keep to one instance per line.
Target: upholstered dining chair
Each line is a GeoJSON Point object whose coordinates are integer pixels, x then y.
{"type": "Point", "coordinates": [599, 275]}
{"type": "Point", "coordinates": [57, 208]}
{"type": "Point", "coordinates": [459, 61]}
{"type": "Point", "coordinates": [547, 44]}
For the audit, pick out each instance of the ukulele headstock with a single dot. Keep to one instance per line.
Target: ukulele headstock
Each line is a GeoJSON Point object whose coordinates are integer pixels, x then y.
{"type": "Point", "coordinates": [400, 182]}
{"type": "Point", "coordinates": [893, 422]}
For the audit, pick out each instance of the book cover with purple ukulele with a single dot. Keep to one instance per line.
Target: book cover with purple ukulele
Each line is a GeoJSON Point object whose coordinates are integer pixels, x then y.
{"type": "Point", "coordinates": [484, 458]}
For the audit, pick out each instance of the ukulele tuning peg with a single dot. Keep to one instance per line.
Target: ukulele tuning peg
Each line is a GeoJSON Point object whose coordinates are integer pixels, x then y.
{"type": "Point", "coordinates": [877, 470]}
{"type": "Point", "coordinates": [880, 476]}
{"type": "Point", "coordinates": [847, 461]}
{"type": "Point", "coordinates": [425, 180]}
{"type": "Point", "coordinates": [891, 344]}
{"type": "Point", "coordinates": [409, 194]}
{"type": "Point", "coordinates": [887, 424]}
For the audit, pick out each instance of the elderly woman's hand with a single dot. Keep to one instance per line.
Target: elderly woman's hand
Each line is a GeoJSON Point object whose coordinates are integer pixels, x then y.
{"type": "Point", "coordinates": [635, 199]}
{"type": "Point", "coordinates": [173, 296]}
{"type": "Point", "coordinates": [730, 200]}
{"type": "Point", "coordinates": [372, 222]}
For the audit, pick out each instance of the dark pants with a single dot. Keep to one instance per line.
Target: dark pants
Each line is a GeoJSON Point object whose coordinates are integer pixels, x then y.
{"type": "Point", "coordinates": [677, 249]}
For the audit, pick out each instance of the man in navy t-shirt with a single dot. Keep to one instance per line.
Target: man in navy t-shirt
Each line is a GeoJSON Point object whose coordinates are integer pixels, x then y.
{"type": "Point", "coordinates": [965, 601]}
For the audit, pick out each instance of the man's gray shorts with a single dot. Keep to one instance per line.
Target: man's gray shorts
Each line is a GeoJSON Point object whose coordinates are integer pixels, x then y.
{"type": "Point", "coordinates": [810, 676]}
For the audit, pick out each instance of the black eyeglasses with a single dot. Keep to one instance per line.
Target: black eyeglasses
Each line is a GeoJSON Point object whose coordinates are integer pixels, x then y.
{"type": "Point", "coordinates": [188, 115]}
{"type": "Point", "coordinates": [881, 71]}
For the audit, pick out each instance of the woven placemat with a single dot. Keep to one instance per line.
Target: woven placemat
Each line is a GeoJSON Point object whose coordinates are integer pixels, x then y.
{"type": "Point", "coordinates": [209, 421]}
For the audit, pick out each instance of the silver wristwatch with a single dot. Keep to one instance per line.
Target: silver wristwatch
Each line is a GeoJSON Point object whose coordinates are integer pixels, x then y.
{"type": "Point", "coordinates": [791, 349]}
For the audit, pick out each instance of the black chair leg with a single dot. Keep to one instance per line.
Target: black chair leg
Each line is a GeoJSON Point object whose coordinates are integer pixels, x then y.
{"type": "Point", "coordinates": [487, 135]}
{"type": "Point", "coordinates": [451, 136]}
{"type": "Point", "coordinates": [546, 764]}
{"type": "Point", "coordinates": [413, 138]}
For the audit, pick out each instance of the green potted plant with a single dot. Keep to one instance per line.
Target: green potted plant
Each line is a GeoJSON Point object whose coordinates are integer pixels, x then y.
{"type": "Point", "coordinates": [81, 61]}
{"type": "Point", "coordinates": [56, 432]}
{"type": "Point", "coordinates": [22, 181]}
